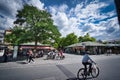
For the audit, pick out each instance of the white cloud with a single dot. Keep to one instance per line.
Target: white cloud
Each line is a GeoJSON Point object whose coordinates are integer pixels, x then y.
{"type": "Point", "coordinates": [84, 18]}
{"type": "Point", "coordinates": [90, 10]}
{"type": "Point", "coordinates": [61, 20]}
{"type": "Point", "coordinates": [63, 8]}
{"type": "Point", "coordinates": [37, 3]}
{"type": "Point", "coordinates": [8, 9]}
{"type": "Point", "coordinates": [108, 29]}
{"type": "Point", "coordinates": [80, 19]}
{"type": "Point", "coordinates": [59, 16]}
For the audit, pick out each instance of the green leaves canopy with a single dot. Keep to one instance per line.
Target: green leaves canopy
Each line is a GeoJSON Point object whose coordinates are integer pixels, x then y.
{"type": "Point", "coordinates": [16, 37]}
{"type": "Point", "coordinates": [68, 40]}
{"type": "Point", "coordinates": [86, 38]}
{"type": "Point", "coordinates": [38, 24]}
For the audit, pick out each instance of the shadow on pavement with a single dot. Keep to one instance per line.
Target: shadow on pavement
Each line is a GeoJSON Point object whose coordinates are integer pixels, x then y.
{"type": "Point", "coordinates": [22, 62]}
{"type": "Point", "coordinates": [10, 59]}
{"type": "Point", "coordinates": [73, 79]}
{"type": "Point", "coordinates": [89, 78]}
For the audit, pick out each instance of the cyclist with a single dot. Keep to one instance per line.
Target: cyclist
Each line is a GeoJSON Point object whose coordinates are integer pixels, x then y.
{"type": "Point", "coordinates": [87, 61]}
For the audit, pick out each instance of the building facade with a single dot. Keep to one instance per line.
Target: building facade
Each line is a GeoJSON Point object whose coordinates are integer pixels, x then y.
{"type": "Point", "coordinates": [2, 33]}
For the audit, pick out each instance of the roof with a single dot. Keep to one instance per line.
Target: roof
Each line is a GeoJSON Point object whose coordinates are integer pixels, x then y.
{"type": "Point", "coordinates": [92, 44]}
{"type": "Point", "coordinates": [33, 43]}
{"type": "Point", "coordinates": [110, 45]}
{"type": "Point", "coordinates": [86, 44]}
{"type": "Point", "coordinates": [73, 45]}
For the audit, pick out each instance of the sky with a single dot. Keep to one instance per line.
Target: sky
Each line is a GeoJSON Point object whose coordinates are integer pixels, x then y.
{"type": "Point", "coordinates": [96, 17]}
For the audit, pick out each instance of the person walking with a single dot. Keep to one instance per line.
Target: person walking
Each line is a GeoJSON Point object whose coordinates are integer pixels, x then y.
{"type": "Point", "coordinates": [6, 55]}
{"type": "Point", "coordinates": [61, 54]}
{"type": "Point", "coordinates": [27, 55]}
{"type": "Point", "coordinates": [30, 53]}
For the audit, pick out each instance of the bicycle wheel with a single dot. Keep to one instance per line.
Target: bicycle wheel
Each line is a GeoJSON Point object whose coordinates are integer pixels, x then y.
{"type": "Point", "coordinates": [81, 74]}
{"type": "Point", "coordinates": [95, 72]}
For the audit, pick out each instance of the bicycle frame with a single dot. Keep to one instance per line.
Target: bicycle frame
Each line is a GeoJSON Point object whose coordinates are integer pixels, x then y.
{"type": "Point", "coordinates": [82, 74]}
{"type": "Point", "coordinates": [95, 70]}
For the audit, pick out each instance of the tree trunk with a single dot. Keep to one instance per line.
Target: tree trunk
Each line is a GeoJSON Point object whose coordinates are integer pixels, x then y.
{"type": "Point", "coordinates": [35, 44]}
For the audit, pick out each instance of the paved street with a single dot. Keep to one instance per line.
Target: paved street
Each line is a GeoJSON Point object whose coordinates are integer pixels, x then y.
{"type": "Point", "coordinates": [59, 69]}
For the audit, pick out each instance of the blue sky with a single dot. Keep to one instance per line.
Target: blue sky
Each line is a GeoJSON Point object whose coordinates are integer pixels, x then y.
{"type": "Point", "coordinates": [96, 17]}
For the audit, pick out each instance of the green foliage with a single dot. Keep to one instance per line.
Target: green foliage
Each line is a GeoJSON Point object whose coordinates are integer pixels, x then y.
{"type": "Point", "coordinates": [72, 39]}
{"type": "Point", "coordinates": [61, 42]}
{"type": "Point", "coordinates": [55, 45]}
{"type": "Point", "coordinates": [38, 24]}
{"type": "Point", "coordinates": [16, 37]}
{"type": "Point", "coordinates": [86, 38]}
{"type": "Point", "coordinates": [68, 40]}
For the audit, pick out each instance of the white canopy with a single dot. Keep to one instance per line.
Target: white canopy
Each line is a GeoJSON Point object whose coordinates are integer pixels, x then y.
{"type": "Point", "coordinates": [87, 44]}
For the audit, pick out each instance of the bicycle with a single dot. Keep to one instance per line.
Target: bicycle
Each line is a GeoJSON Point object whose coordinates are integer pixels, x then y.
{"type": "Point", "coordinates": [82, 74]}
{"type": "Point", "coordinates": [60, 57]}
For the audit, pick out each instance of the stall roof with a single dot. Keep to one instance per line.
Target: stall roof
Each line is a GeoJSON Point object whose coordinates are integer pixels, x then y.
{"type": "Point", "coordinates": [33, 43]}
{"type": "Point", "coordinates": [74, 45]}
{"type": "Point", "coordinates": [87, 44]}
{"type": "Point", "coordinates": [92, 44]}
{"type": "Point", "coordinates": [112, 45]}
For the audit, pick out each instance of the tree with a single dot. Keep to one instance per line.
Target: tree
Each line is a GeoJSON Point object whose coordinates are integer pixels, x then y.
{"type": "Point", "coordinates": [80, 39]}
{"type": "Point", "coordinates": [86, 38]}
{"type": "Point", "coordinates": [70, 39]}
{"type": "Point", "coordinates": [38, 24]}
{"type": "Point", "coordinates": [61, 42]}
{"type": "Point", "coordinates": [16, 36]}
